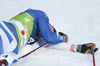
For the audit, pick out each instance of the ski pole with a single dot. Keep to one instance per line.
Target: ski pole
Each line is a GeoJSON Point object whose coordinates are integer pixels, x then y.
{"type": "Point", "coordinates": [93, 57]}
{"type": "Point", "coordinates": [32, 51]}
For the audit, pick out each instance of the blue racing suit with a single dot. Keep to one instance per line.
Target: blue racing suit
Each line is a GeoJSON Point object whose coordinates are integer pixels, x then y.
{"type": "Point", "coordinates": [41, 23]}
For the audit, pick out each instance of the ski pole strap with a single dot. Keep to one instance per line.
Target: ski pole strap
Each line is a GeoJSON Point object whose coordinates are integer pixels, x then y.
{"type": "Point", "coordinates": [32, 51]}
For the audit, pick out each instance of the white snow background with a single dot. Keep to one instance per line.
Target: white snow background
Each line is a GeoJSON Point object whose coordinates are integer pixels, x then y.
{"type": "Point", "coordinates": [79, 19]}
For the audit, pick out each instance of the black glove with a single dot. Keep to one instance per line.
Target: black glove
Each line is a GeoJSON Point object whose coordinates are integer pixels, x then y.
{"type": "Point", "coordinates": [87, 48]}
{"type": "Point", "coordinates": [3, 62]}
{"type": "Point", "coordinates": [62, 34]}
{"type": "Point", "coordinates": [31, 41]}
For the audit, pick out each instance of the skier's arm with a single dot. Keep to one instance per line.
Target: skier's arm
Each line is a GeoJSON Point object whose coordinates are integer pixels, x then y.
{"type": "Point", "coordinates": [43, 24]}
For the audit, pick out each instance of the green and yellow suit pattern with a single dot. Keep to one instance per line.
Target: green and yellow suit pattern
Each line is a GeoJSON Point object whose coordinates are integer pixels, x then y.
{"type": "Point", "coordinates": [27, 21]}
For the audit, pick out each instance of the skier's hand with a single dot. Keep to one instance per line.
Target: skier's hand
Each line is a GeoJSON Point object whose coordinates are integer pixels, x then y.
{"type": "Point", "coordinates": [3, 63]}
{"type": "Point", "coordinates": [87, 48]}
{"type": "Point", "coordinates": [64, 35]}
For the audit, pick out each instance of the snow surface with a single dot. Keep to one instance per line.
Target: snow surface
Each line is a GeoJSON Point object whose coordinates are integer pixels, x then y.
{"type": "Point", "coordinates": [79, 19]}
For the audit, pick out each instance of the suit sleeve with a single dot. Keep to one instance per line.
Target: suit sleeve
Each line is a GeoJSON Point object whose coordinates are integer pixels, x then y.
{"type": "Point", "coordinates": [44, 29]}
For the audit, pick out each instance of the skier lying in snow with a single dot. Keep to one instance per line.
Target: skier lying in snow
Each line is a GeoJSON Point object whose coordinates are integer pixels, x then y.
{"type": "Point", "coordinates": [31, 23]}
